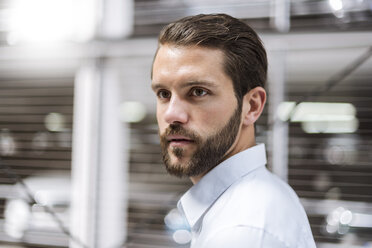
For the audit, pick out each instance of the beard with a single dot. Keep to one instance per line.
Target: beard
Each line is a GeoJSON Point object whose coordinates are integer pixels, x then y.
{"type": "Point", "coordinates": [208, 154]}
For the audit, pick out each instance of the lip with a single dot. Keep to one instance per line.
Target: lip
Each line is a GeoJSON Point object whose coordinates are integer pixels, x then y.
{"type": "Point", "coordinates": [178, 137]}
{"type": "Point", "coordinates": [179, 140]}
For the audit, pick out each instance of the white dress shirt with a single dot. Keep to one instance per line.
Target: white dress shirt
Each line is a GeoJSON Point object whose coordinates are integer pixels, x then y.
{"type": "Point", "coordinates": [241, 204]}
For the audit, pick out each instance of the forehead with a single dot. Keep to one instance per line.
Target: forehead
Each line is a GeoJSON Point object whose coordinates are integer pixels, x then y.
{"type": "Point", "coordinates": [188, 63]}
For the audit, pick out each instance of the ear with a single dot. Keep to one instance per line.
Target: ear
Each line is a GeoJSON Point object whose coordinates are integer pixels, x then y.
{"type": "Point", "coordinates": [253, 104]}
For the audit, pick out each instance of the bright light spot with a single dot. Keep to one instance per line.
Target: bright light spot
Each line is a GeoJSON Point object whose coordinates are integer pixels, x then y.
{"type": "Point", "coordinates": [323, 111]}
{"type": "Point", "coordinates": [55, 122]}
{"type": "Point", "coordinates": [174, 220]}
{"type": "Point", "coordinates": [334, 217]}
{"type": "Point", "coordinates": [336, 5]}
{"type": "Point", "coordinates": [41, 20]}
{"type": "Point", "coordinates": [331, 229]}
{"type": "Point", "coordinates": [346, 217]}
{"type": "Point", "coordinates": [17, 214]}
{"type": "Point", "coordinates": [335, 154]}
{"type": "Point", "coordinates": [182, 236]}
{"type": "Point", "coordinates": [7, 143]}
{"type": "Point", "coordinates": [322, 117]}
{"type": "Point", "coordinates": [341, 155]}
{"type": "Point", "coordinates": [41, 197]}
{"type": "Point", "coordinates": [284, 110]}
{"type": "Point", "coordinates": [330, 126]}
{"type": "Point", "coordinates": [50, 20]}
{"type": "Point", "coordinates": [132, 112]}
{"type": "Point", "coordinates": [339, 220]}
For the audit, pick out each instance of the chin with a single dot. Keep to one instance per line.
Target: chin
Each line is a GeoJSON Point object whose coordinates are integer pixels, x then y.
{"type": "Point", "coordinates": [178, 161]}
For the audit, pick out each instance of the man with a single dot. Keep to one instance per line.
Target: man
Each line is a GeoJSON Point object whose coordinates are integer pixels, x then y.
{"type": "Point", "coordinates": [208, 75]}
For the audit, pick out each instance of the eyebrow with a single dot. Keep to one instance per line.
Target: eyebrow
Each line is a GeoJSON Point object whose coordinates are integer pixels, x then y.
{"type": "Point", "coordinates": [156, 86]}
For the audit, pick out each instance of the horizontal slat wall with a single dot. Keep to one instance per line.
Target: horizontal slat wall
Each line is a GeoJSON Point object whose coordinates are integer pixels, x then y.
{"type": "Point", "coordinates": [334, 167]}
{"type": "Point", "coordinates": [23, 108]}
{"type": "Point", "coordinates": [27, 146]}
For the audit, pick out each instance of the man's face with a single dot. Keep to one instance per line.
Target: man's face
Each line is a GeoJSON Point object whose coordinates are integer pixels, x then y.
{"type": "Point", "coordinates": [197, 111]}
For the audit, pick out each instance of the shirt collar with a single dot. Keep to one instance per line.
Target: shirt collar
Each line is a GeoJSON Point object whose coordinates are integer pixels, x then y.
{"type": "Point", "coordinates": [202, 195]}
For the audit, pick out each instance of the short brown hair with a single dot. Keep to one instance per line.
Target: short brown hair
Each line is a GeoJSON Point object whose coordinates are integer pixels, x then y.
{"type": "Point", "coordinates": [245, 61]}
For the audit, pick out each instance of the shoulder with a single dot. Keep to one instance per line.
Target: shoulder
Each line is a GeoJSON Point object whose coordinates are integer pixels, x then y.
{"type": "Point", "coordinates": [261, 200]}
{"type": "Point", "coordinates": [261, 192]}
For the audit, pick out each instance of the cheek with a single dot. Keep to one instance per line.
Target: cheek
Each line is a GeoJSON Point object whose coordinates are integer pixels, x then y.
{"type": "Point", "coordinates": [212, 119]}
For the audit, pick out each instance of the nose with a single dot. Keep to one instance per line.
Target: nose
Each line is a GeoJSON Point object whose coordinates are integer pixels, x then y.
{"type": "Point", "coordinates": [176, 111]}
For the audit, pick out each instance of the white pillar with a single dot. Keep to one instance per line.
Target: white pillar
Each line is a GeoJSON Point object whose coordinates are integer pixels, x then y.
{"type": "Point", "coordinates": [278, 135]}
{"type": "Point", "coordinates": [280, 15]}
{"type": "Point", "coordinates": [100, 140]}
{"type": "Point", "coordinates": [99, 164]}
{"type": "Point", "coordinates": [116, 19]}
{"type": "Point", "coordinates": [85, 156]}
{"type": "Point", "coordinates": [113, 161]}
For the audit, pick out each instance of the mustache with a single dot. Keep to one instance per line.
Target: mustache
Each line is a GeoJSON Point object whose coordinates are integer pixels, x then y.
{"type": "Point", "coordinates": [177, 129]}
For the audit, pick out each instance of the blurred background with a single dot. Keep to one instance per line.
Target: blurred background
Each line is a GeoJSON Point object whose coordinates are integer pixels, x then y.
{"type": "Point", "coordinates": [80, 162]}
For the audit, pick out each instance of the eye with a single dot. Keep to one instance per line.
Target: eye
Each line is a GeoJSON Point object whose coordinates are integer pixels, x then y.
{"type": "Point", "coordinates": [199, 92]}
{"type": "Point", "coordinates": [163, 94]}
